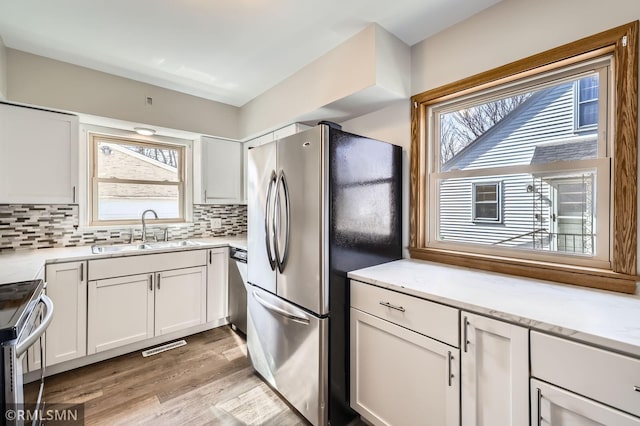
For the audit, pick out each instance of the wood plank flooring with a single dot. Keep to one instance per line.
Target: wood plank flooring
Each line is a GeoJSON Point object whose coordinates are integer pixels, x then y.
{"type": "Point", "coordinates": [207, 382]}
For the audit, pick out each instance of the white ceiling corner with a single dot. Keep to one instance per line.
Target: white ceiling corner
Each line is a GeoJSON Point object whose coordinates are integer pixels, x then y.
{"type": "Point", "coordinates": [226, 51]}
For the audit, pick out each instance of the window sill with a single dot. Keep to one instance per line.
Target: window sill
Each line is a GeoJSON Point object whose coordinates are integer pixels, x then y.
{"type": "Point", "coordinates": [603, 279]}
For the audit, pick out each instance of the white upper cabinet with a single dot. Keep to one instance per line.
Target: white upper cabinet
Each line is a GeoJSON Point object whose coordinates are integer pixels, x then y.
{"type": "Point", "coordinates": [218, 172]}
{"type": "Point", "coordinates": [289, 130]}
{"type": "Point", "coordinates": [38, 156]}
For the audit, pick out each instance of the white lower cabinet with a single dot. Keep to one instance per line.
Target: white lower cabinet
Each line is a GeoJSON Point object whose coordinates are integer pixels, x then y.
{"type": "Point", "coordinates": [553, 406]}
{"type": "Point", "coordinates": [121, 311]}
{"type": "Point", "coordinates": [576, 384]}
{"type": "Point", "coordinates": [494, 371]}
{"type": "Point", "coordinates": [129, 309]}
{"type": "Point", "coordinates": [180, 299]}
{"type": "Point", "coordinates": [65, 338]}
{"type": "Point", "coordinates": [217, 283]}
{"type": "Point", "coordinates": [400, 377]}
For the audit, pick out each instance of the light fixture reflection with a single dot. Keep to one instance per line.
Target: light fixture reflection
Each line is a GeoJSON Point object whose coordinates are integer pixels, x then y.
{"type": "Point", "coordinates": [144, 131]}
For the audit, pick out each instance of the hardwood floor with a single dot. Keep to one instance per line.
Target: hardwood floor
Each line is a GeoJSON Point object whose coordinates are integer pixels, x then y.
{"type": "Point", "coordinates": [208, 381]}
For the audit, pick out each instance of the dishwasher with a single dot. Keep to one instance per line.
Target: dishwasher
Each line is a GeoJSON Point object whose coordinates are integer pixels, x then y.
{"type": "Point", "coordinates": [238, 289]}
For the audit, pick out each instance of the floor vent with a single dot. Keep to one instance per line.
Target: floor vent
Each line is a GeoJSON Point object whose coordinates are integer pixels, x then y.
{"type": "Point", "coordinates": [163, 348]}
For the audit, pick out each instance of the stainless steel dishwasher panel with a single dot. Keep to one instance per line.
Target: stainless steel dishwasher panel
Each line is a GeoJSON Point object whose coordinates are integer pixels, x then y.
{"type": "Point", "coordinates": [288, 348]}
{"type": "Point", "coordinates": [238, 289]}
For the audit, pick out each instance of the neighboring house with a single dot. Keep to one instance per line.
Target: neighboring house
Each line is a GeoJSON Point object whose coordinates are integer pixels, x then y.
{"type": "Point", "coordinates": [546, 212]}
{"type": "Point", "coordinates": [125, 201]}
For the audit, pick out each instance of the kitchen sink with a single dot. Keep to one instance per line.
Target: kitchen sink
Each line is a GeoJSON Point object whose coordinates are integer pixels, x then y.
{"type": "Point", "coordinates": [119, 248]}
{"type": "Point", "coordinates": [174, 244]}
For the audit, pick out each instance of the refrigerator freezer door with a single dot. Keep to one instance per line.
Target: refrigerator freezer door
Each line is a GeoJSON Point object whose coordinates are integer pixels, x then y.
{"type": "Point", "coordinates": [288, 348]}
{"type": "Point", "coordinates": [301, 209]}
{"type": "Point", "coordinates": [260, 224]}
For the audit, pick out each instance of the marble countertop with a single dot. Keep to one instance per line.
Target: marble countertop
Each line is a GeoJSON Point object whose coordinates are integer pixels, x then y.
{"type": "Point", "coordinates": [601, 318]}
{"type": "Point", "coordinates": [24, 265]}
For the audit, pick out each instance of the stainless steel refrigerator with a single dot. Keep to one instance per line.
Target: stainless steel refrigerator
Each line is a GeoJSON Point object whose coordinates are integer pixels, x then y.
{"type": "Point", "coordinates": [320, 203]}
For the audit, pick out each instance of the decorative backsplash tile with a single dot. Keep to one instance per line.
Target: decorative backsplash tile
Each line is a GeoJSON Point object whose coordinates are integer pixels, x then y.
{"type": "Point", "coordinates": [28, 226]}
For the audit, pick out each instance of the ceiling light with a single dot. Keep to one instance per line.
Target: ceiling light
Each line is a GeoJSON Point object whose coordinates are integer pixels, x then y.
{"type": "Point", "coordinates": [144, 131]}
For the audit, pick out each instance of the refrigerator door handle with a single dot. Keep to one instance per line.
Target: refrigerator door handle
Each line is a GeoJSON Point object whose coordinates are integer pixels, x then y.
{"type": "Point", "coordinates": [269, 231]}
{"type": "Point", "coordinates": [282, 181]}
{"type": "Point", "coordinates": [278, 310]}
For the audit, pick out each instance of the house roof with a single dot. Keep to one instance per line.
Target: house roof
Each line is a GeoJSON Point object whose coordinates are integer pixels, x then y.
{"type": "Point", "coordinates": [567, 150]}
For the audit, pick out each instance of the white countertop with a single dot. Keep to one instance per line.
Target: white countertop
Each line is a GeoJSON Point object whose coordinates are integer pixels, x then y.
{"type": "Point", "coordinates": [602, 318]}
{"type": "Point", "coordinates": [24, 265]}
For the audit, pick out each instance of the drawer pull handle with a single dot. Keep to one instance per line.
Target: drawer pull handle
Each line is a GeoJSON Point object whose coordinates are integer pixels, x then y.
{"type": "Point", "coordinates": [539, 392]}
{"type": "Point", "coordinates": [465, 335]}
{"type": "Point", "coordinates": [389, 305]}
{"type": "Point", "coordinates": [636, 388]}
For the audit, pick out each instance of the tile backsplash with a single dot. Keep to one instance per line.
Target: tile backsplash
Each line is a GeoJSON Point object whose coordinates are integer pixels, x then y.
{"type": "Point", "coordinates": [28, 226]}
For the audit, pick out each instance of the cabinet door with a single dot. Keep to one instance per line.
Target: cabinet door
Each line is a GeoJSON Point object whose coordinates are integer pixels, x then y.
{"type": "Point", "coordinates": [261, 140]}
{"type": "Point", "coordinates": [221, 170]}
{"type": "Point", "coordinates": [217, 283]}
{"type": "Point", "coordinates": [38, 156]}
{"type": "Point", "coordinates": [552, 406]}
{"type": "Point", "coordinates": [399, 377]}
{"type": "Point", "coordinates": [120, 312]}
{"type": "Point", "coordinates": [495, 372]}
{"type": "Point", "coordinates": [180, 299]}
{"type": "Point", "coordinates": [66, 336]}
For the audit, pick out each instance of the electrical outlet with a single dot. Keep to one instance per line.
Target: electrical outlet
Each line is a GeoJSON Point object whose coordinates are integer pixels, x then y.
{"type": "Point", "coordinates": [216, 223]}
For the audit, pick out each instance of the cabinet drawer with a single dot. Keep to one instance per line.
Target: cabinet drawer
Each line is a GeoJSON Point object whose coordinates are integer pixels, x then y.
{"type": "Point", "coordinates": [431, 319]}
{"type": "Point", "coordinates": [595, 373]}
{"type": "Point", "coordinates": [144, 264]}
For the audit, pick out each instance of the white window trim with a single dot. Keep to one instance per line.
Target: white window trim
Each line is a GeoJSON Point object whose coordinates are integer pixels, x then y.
{"type": "Point", "coordinates": [602, 259]}
{"type": "Point", "coordinates": [498, 202]}
{"type": "Point", "coordinates": [84, 211]}
{"type": "Point", "coordinates": [576, 108]}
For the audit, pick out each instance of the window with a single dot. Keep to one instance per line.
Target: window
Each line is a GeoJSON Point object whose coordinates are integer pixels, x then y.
{"type": "Point", "coordinates": [486, 202]}
{"type": "Point", "coordinates": [503, 149]}
{"type": "Point", "coordinates": [587, 102]}
{"type": "Point", "coordinates": [130, 176]}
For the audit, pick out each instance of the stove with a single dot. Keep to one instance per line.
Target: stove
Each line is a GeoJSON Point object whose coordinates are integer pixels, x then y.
{"type": "Point", "coordinates": [25, 314]}
{"type": "Point", "coordinates": [17, 300]}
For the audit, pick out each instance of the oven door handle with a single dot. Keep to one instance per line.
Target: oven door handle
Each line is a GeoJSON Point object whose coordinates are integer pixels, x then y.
{"type": "Point", "coordinates": [22, 347]}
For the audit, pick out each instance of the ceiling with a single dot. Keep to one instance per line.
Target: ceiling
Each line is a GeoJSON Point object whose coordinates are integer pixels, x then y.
{"type": "Point", "coordinates": [228, 51]}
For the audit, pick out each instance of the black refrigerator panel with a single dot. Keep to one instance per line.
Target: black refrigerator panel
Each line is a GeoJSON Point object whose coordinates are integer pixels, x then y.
{"type": "Point", "coordinates": [365, 209]}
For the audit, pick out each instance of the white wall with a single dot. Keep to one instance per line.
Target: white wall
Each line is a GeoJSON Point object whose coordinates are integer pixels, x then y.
{"type": "Point", "coordinates": [37, 80]}
{"type": "Point", "coordinates": [3, 70]}
{"type": "Point", "coordinates": [509, 31]}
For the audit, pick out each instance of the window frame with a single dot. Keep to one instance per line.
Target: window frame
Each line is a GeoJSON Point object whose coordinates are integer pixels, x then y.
{"type": "Point", "coordinates": [620, 274]}
{"type": "Point", "coordinates": [497, 202]}
{"type": "Point", "coordinates": [92, 189]}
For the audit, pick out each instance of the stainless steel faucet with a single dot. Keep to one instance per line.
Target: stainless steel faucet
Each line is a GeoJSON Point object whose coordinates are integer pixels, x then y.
{"type": "Point", "coordinates": [144, 225]}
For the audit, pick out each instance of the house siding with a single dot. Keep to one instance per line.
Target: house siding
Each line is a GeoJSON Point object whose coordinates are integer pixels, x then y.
{"type": "Point", "coordinates": [546, 116]}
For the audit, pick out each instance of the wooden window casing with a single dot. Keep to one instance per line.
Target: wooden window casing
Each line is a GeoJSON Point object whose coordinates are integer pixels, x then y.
{"type": "Point", "coordinates": [622, 43]}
